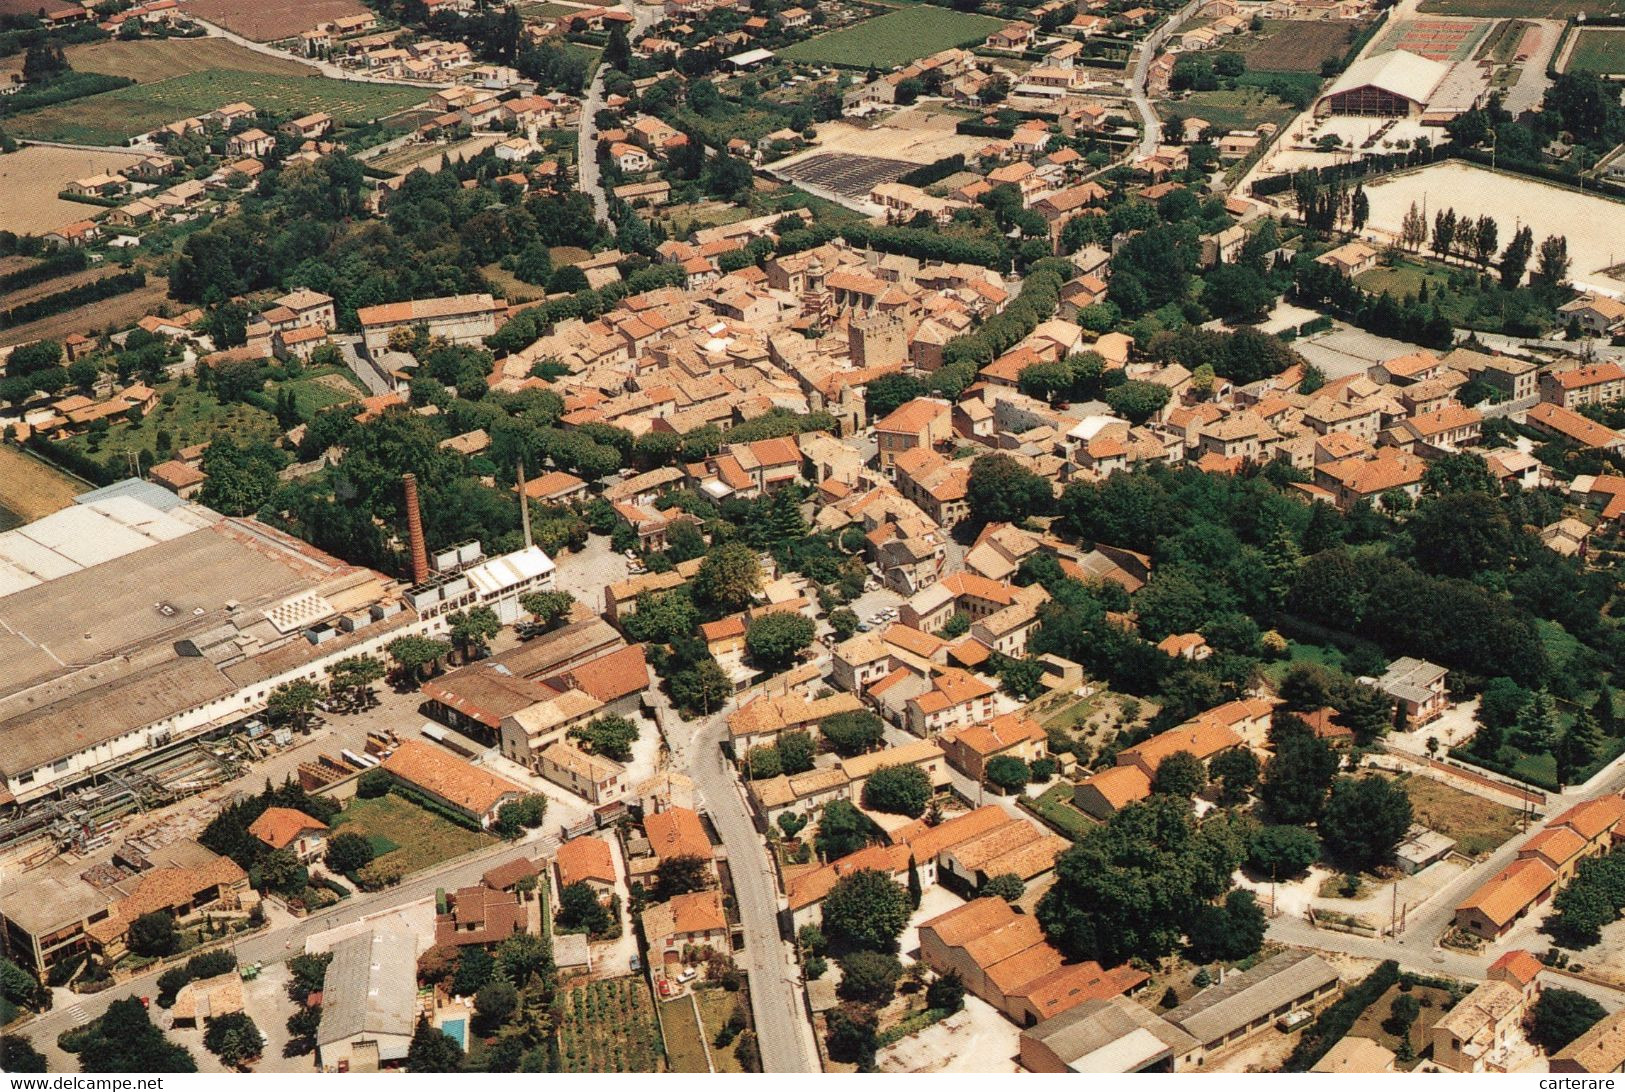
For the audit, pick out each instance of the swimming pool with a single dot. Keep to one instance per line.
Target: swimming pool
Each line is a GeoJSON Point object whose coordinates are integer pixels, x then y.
{"type": "Point", "coordinates": [456, 1030]}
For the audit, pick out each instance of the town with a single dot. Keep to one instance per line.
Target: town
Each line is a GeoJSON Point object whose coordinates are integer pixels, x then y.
{"type": "Point", "coordinates": [718, 536]}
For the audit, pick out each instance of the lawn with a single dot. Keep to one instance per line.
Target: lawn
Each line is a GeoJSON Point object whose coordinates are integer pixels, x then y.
{"type": "Point", "coordinates": [894, 38]}
{"type": "Point", "coordinates": [1478, 825]}
{"type": "Point", "coordinates": [1598, 50]}
{"type": "Point", "coordinates": [1433, 1002]}
{"type": "Point", "coordinates": [609, 1027]}
{"type": "Point", "coordinates": [1055, 806]}
{"type": "Point", "coordinates": [114, 116]}
{"type": "Point", "coordinates": [1298, 651]}
{"type": "Point", "coordinates": [1243, 108]}
{"type": "Point", "coordinates": [716, 1006]}
{"type": "Point", "coordinates": [189, 416]}
{"type": "Point", "coordinates": [421, 838]}
{"type": "Point", "coordinates": [685, 1047]}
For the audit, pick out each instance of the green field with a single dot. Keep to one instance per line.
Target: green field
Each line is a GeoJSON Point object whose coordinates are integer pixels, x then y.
{"type": "Point", "coordinates": [1522, 9]}
{"type": "Point", "coordinates": [421, 839]}
{"type": "Point", "coordinates": [1056, 807]}
{"type": "Point", "coordinates": [894, 38]}
{"type": "Point", "coordinates": [685, 1045]}
{"type": "Point", "coordinates": [1598, 50]}
{"type": "Point", "coordinates": [115, 116]}
{"type": "Point", "coordinates": [1243, 108]}
{"type": "Point", "coordinates": [189, 416]}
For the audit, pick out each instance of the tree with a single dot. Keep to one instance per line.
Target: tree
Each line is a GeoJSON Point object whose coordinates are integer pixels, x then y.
{"type": "Point", "coordinates": [946, 993]}
{"type": "Point", "coordinates": [791, 824]}
{"type": "Point", "coordinates": [496, 1001]}
{"type": "Point", "coordinates": [1132, 886]}
{"type": "Point", "coordinates": [547, 608]}
{"type": "Point", "coordinates": [1296, 780]}
{"type": "Point", "coordinates": [681, 875]}
{"type": "Point", "coordinates": [1236, 771]}
{"type": "Point", "coordinates": [413, 654]}
{"type": "Point", "coordinates": [773, 640]}
{"type": "Point", "coordinates": [1181, 775]}
{"type": "Point", "coordinates": [1001, 490]}
{"type": "Point", "coordinates": [700, 688]}
{"type": "Point", "coordinates": [1137, 400]}
{"type": "Point", "coordinates": [1231, 931]}
{"type": "Point", "coordinates": [853, 1034]}
{"type": "Point", "coordinates": [1561, 1016]}
{"type": "Point", "coordinates": [373, 784]}
{"type": "Point", "coordinates": [1006, 772]}
{"type": "Point", "coordinates": [915, 891]}
{"type": "Point", "coordinates": [1237, 292]}
{"type": "Point", "coordinates": [610, 736]}
{"type": "Point", "coordinates": [882, 395]}
{"type": "Point", "coordinates": [1536, 726]}
{"type": "Point", "coordinates": [843, 829]}
{"type": "Point", "coordinates": [1402, 1015]}
{"type": "Point", "coordinates": [1515, 258]}
{"type": "Point", "coordinates": [1282, 851]}
{"type": "Point", "coordinates": [305, 1022]}
{"type": "Point", "coordinates": [1553, 263]}
{"type": "Point", "coordinates": [870, 977]}
{"type": "Point", "coordinates": [280, 871]}
{"type": "Point", "coordinates": [291, 703]}
{"type": "Point", "coordinates": [473, 629]}
{"type": "Point", "coordinates": [796, 752]}
{"type": "Point", "coordinates": [728, 577]}
{"type": "Point", "coordinates": [432, 1050]}
{"type": "Point", "coordinates": [1365, 819]}
{"type": "Point", "coordinates": [1576, 747]}
{"type": "Point", "coordinates": [153, 934]}
{"type": "Point", "coordinates": [17, 1055]}
{"type": "Point", "coordinates": [1444, 232]}
{"type": "Point", "coordinates": [353, 676]}
{"type": "Point", "coordinates": [347, 852]}
{"type": "Point", "coordinates": [233, 1038]}
{"type": "Point", "coordinates": [124, 1040]}
{"type": "Point", "coordinates": [898, 790]}
{"type": "Point", "coordinates": [865, 909]}
{"type": "Point", "coordinates": [1007, 886]}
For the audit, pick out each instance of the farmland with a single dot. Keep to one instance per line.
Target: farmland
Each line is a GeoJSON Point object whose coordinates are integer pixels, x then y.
{"type": "Point", "coordinates": [894, 38]}
{"type": "Point", "coordinates": [272, 20]}
{"type": "Point", "coordinates": [153, 59]}
{"type": "Point", "coordinates": [1296, 45]}
{"type": "Point", "coordinates": [32, 177]}
{"type": "Point", "coordinates": [107, 314]}
{"type": "Point", "coordinates": [1597, 50]}
{"type": "Point", "coordinates": [115, 116]}
{"type": "Point", "coordinates": [609, 1027]}
{"type": "Point", "coordinates": [402, 832]}
{"type": "Point", "coordinates": [1243, 108]}
{"type": "Point", "coordinates": [30, 488]}
{"type": "Point", "coordinates": [685, 1041]}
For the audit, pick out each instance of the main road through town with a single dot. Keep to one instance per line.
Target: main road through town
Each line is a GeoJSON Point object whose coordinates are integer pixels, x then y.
{"type": "Point", "coordinates": [587, 178]}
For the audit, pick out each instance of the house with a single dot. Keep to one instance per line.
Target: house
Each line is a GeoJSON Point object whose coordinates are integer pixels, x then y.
{"type": "Point", "coordinates": [250, 142]}
{"type": "Point", "coordinates": [586, 860]}
{"type": "Point", "coordinates": [78, 233]}
{"type": "Point", "coordinates": [308, 127]}
{"type": "Point", "coordinates": [369, 1002]}
{"type": "Point", "coordinates": [686, 922]}
{"type": "Point", "coordinates": [1110, 1035]}
{"type": "Point", "coordinates": [1350, 259]}
{"type": "Point", "coordinates": [293, 830]}
{"type": "Point", "coordinates": [205, 999]}
{"type": "Point", "coordinates": [599, 779]}
{"type": "Point", "coordinates": [1566, 424]}
{"type": "Point", "coordinates": [971, 748]}
{"type": "Point", "coordinates": [182, 479]}
{"type": "Point", "coordinates": [956, 698]}
{"type": "Point", "coordinates": [677, 832]}
{"type": "Point", "coordinates": [463, 320]}
{"type": "Point", "coordinates": [1356, 1054]}
{"type": "Point", "coordinates": [451, 782]}
{"type": "Point", "coordinates": [1479, 1034]}
{"type": "Point", "coordinates": [1599, 1050]}
{"type": "Point", "coordinates": [1492, 910]}
{"type": "Point", "coordinates": [1012, 36]}
{"type": "Point", "coordinates": [98, 185]}
{"type": "Point", "coordinates": [1418, 686]}
{"type": "Point", "coordinates": [1596, 314]}
{"type": "Point", "coordinates": [479, 916]}
{"type": "Point", "coordinates": [1109, 791]}
{"type": "Point", "coordinates": [630, 158]}
{"type": "Point", "coordinates": [1587, 385]}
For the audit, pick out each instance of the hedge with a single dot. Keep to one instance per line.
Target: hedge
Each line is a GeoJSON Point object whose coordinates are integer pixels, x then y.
{"type": "Point", "coordinates": [436, 808]}
{"type": "Point", "coordinates": [68, 299]}
{"type": "Point", "coordinates": [1462, 754]}
{"type": "Point", "coordinates": [57, 265]}
{"type": "Point", "coordinates": [70, 460]}
{"type": "Point", "coordinates": [934, 172]}
{"type": "Point", "coordinates": [68, 86]}
{"type": "Point", "coordinates": [1330, 1027]}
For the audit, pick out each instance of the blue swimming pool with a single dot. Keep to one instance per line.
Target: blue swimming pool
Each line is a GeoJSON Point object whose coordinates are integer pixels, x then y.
{"type": "Point", "coordinates": [457, 1031]}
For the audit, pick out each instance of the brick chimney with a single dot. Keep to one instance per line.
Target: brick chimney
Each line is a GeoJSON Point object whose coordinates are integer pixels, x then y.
{"type": "Point", "coordinates": [414, 530]}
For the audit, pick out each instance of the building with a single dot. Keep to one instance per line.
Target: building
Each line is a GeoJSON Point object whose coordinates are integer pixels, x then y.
{"type": "Point", "coordinates": [1597, 315]}
{"type": "Point", "coordinates": [1391, 84]}
{"type": "Point", "coordinates": [971, 748]}
{"type": "Point", "coordinates": [586, 860]}
{"type": "Point", "coordinates": [599, 779]}
{"type": "Point", "coordinates": [180, 620]}
{"type": "Point", "coordinates": [692, 921]}
{"type": "Point", "coordinates": [1356, 1054]}
{"type": "Point", "coordinates": [1350, 259]}
{"type": "Point", "coordinates": [462, 320]}
{"type": "Point", "coordinates": [479, 915]}
{"type": "Point", "coordinates": [1587, 385]}
{"type": "Point", "coordinates": [203, 999]}
{"type": "Point", "coordinates": [1600, 1050]}
{"type": "Point", "coordinates": [1246, 1003]}
{"type": "Point", "coordinates": [1418, 686]}
{"type": "Point", "coordinates": [1479, 1034]}
{"type": "Point", "coordinates": [677, 832]}
{"type": "Point", "coordinates": [462, 577]}
{"type": "Point", "coordinates": [451, 782]}
{"type": "Point", "coordinates": [1112, 1035]}
{"type": "Point", "coordinates": [923, 422]}
{"type": "Point", "coordinates": [293, 830]}
{"type": "Point", "coordinates": [369, 1002]}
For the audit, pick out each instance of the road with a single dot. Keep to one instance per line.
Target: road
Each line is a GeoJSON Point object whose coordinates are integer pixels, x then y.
{"type": "Point", "coordinates": [587, 176]}
{"type": "Point", "coordinates": [326, 68]}
{"type": "Point", "coordinates": [281, 942]}
{"type": "Point", "coordinates": [1150, 127]}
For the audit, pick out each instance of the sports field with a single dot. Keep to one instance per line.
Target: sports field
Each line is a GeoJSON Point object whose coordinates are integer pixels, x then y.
{"type": "Point", "coordinates": [115, 116]}
{"type": "Point", "coordinates": [895, 38]}
{"type": "Point", "coordinates": [1598, 49]}
{"type": "Point", "coordinates": [1446, 40]}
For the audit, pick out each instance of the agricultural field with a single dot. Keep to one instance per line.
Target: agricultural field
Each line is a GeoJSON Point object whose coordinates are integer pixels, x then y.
{"type": "Point", "coordinates": [403, 833]}
{"type": "Point", "coordinates": [32, 177]}
{"type": "Point", "coordinates": [315, 391]}
{"type": "Point", "coordinates": [1296, 45]}
{"type": "Point", "coordinates": [1432, 1001]}
{"type": "Point", "coordinates": [30, 489]}
{"type": "Point", "coordinates": [428, 157]}
{"type": "Point", "coordinates": [153, 59]}
{"type": "Point", "coordinates": [114, 116]}
{"type": "Point", "coordinates": [609, 1027]}
{"type": "Point", "coordinates": [109, 314]}
{"type": "Point", "coordinates": [1597, 49]}
{"type": "Point", "coordinates": [1523, 9]}
{"type": "Point", "coordinates": [685, 1040]}
{"type": "Point", "coordinates": [894, 38]}
{"type": "Point", "coordinates": [272, 20]}
{"type": "Point", "coordinates": [1478, 825]}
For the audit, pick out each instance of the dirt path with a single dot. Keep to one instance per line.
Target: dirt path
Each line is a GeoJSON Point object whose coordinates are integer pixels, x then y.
{"type": "Point", "coordinates": [32, 489]}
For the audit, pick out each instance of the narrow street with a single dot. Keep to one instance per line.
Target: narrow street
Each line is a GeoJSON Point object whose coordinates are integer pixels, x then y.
{"type": "Point", "coordinates": [1150, 127]}
{"type": "Point", "coordinates": [326, 68]}
{"type": "Point", "coordinates": [587, 175]}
